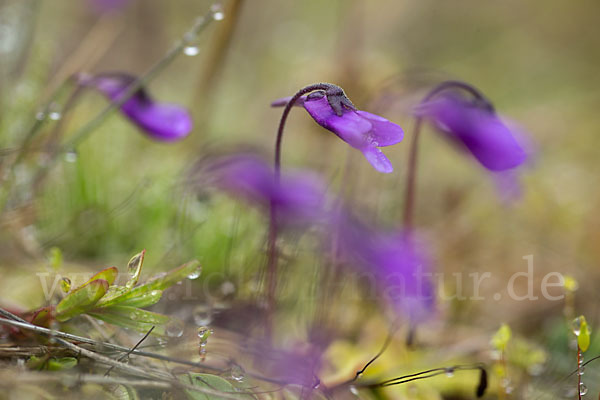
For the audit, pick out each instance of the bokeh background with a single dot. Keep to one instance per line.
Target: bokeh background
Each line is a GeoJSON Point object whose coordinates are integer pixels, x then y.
{"type": "Point", "coordinates": [120, 192]}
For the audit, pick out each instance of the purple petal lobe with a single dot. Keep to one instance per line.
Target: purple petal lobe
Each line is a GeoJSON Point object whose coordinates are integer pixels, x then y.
{"type": "Point", "coordinates": [284, 100]}
{"type": "Point", "coordinates": [478, 130]}
{"type": "Point", "coordinates": [384, 132]}
{"type": "Point", "coordinates": [377, 159]}
{"type": "Point", "coordinates": [350, 127]}
{"type": "Point", "coordinates": [161, 121]}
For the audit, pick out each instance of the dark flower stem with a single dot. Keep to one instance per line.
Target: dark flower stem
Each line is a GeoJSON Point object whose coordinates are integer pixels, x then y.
{"type": "Point", "coordinates": [411, 173]}
{"type": "Point", "coordinates": [271, 275]}
{"type": "Point", "coordinates": [579, 372]}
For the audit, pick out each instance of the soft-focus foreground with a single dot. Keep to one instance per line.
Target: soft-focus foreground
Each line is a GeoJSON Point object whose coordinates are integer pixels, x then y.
{"type": "Point", "coordinates": [299, 200]}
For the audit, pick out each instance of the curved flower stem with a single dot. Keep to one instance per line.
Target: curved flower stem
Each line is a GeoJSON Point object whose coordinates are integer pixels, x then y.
{"type": "Point", "coordinates": [411, 173]}
{"type": "Point", "coordinates": [271, 275]}
{"type": "Point", "coordinates": [284, 115]}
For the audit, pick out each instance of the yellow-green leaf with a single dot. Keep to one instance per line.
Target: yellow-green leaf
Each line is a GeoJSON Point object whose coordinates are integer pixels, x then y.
{"type": "Point", "coordinates": [132, 318]}
{"type": "Point", "coordinates": [160, 282]}
{"type": "Point", "coordinates": [501, 337]}
{"type": "Point", "coordinates": [81, 299]}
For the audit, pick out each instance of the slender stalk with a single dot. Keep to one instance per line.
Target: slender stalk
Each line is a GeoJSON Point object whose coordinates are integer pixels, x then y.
{"type": "Point", "coordinates": [579, 372]}
{"type": "Point", "coordinates": [273, 228]}
{"type": "Point", "coordinates": [411, 172]}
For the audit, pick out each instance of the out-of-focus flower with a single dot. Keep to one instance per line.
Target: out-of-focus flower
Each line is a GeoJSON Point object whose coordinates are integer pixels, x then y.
{"type": "Point", "coordinates": [108, 5]}
{"type": "Point", "coordinates": [476, 128]}
{"type": "Point", "coordinates": [298, 197]}
{"type": "Point", "coordinates": [360, 129]}
{"type": "Point", "coordinates": [161, 121]}
{"type": "Point", "coordinates": [396, 263]}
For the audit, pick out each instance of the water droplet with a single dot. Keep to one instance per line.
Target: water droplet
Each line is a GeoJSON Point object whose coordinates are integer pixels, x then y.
{"type": "Point", "coordinates": [174, 328]}
{"type": "Point", "coordinates": [576, 326]}
{"type": "Point", "coordinates": [203, 334]}
{"type": "Point", "coordinates": [237, 373]}
{"type": "Point", "coordinates": [40, 116]}
{"type": "Point", "coordinates": [71, 156]}
{"type": "Point", "coordinates": [195, 274]}
{"type": "Point", "coordinates": [227, 288]}
{"type": "Point", "coordinates": [55, 115]}
{"type": "Point", "coordinates": [202, 315]}
{"type": "Point", "coordinates": [65, 284]}
{"type": "Point", "coordinates": [581, 370]}
{"type": "Point", "coordinates": [191, 51]}
{"type": "Point", "coordinates": [449, 372]}
{"type": "Point", "coordinates": [583, 389]}
{"type": "Point", "coordinates": [353, 390]}
{"type": "Point", "coordinates": [217, 12]}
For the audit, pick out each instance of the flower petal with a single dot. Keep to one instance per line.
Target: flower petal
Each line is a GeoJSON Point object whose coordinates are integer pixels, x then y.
{"type": "Point", "coordinates": [377, 159]}
{"type": "Point", "coordinates": [383, 132]}
{"type": "Point", "coordinates": [350, 127]}
{"type": "Point", "coordinates": [299, 197]}
{"type": "Point", "coordinates": [480, 131]}
{"type": "Point", "coordinates": [161, 121]}
{"type": "Point", "coordinates": [282, 102]}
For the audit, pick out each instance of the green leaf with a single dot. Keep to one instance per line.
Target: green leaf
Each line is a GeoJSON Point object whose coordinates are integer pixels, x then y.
{"type": "Point", "coordinates": [582, 331]}
{"type": "Point", "coordinates": [108, 274]}
{"type": "Point", "coordinates": [160, 282]}
{"type": "Point", "coordinates": [61, 364]}
{"type": "Point", "coordinates": [42, 316]}
{"type": "Point", "coordinates": [55, 258]}
{"type": "Point", "coordinates": [132, 318]}
{"type": "Point", "coordinates": [208, 381]}
{"type": "Point", "coordinates": [143, 300]}
{"type": "Point", "coordinates": [51, 364]}
{"type": "Point", "coordinates": [81, 299]}
{"type": "Point", "coordinates": [501, 337]}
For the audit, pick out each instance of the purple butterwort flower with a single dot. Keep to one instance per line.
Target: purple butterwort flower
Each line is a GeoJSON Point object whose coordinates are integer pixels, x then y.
{"type": "Point", "coordinates": [297, 366]}
{"type": "Point", "coordinates": [108, 5]}
{"type": "Point", "coordinates": [476, 128]}
{"type": "Point", "coordinates": [360, 129]}
{"type": "Point", "coordinates": [396, 262]}
{"type": "Point", "coordinates": [161, 121]}
{"type": "Point", "coordinates": [298, 197]}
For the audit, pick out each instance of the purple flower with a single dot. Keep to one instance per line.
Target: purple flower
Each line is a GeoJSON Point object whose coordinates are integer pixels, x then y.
{"type": "Point", "coordinates": [298, 198]}
{"type": "Point", "coordinates": [360, 129]}
{"type": "Point", "coordinates": [161, 121]}
{"type": "Point", "coordinates": [108, 5]}
{"type": "Point", "coordinates": [477, 129]}
{"type": "Point", "coordinates": [395, 262]}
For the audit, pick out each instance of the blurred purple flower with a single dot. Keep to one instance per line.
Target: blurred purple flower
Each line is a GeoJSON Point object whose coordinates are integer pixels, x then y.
{"type": "Point", "coordinates": [161, 121]}
{"type": "Point", "coordinates": [360, 129]}
{"type": "Point", "coordinates": [299, 366]}
{"type": "Point", "coordinates": [298, 198]}
{"type": "Point", "coordinates": [107, 5]}
{"type": "Point", "coordinates": [477, 129]}
{"type": "Point", "coordinates": [396, 262]}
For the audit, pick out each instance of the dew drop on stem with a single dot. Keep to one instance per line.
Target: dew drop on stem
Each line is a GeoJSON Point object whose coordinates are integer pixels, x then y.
{"type": "Point", "coordinates": [217, 12]}
{"type": "Point", "coordinates": [237, 373]}
{"type": "Point", "coordinates": [174, 328]}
